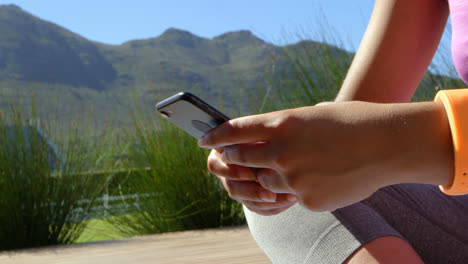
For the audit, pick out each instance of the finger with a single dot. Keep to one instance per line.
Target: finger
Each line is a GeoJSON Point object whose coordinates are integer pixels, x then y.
{"type": "Point", "coordinates": [270, 212]}
{"type": "Point", "coordinates": [282, 200]}
{"type": "Point", "coordinates": [237, 131]}
{"type": "Point", "coordinates": [256, 155]}
{"type": "Point", "coordinates": [217, 166]}
{"type": "Point", "coordinates": [247, 190]}
{"type": "Point", "coordinates": [273, 181]}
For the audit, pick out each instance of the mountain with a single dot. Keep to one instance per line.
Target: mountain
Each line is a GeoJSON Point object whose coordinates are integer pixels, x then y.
{"type": "Point", "coordinates": [34, 49]}
{"type": "Point", "coordinates": [60, 64]}
{"type": "Point", "coordinates": [68, 74]}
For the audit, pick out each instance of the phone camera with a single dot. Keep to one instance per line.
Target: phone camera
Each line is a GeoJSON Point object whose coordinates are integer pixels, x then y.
{"type": "Point", "coordinates": [165, 114]}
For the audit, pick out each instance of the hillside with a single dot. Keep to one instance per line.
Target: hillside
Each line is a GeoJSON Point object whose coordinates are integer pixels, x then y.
{"type": "Point", "coordinates": [68, 74]}
{"type": "Point", "coordinates": [32, 49]}
{"type": "Point", "coordinates": [36, 50]}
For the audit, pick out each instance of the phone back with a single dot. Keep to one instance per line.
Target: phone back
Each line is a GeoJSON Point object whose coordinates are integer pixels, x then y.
{"type": "Point", "coordinates": [191, 114]}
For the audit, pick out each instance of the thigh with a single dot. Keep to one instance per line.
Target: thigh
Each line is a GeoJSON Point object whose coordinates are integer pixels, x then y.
{"type": "Point", "coordinates": [436, 225]}
{"type": "Point", "coordinates": [302, 236]}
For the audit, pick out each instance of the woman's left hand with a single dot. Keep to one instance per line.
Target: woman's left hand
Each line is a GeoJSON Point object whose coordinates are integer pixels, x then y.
{"type": "Point", "coordinates": [337, 154]}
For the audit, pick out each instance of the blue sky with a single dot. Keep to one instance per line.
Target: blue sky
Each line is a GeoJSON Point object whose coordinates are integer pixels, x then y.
{"type": "Point", "coordinates": [277, 21]}
{"type": "Point", "coordinates": [114, 21]}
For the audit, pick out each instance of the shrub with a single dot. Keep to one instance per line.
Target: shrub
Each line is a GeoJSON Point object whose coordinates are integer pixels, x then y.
{"type": "Point", "coordinates": [175, 192]}
{"type": "Point", "coordinates": [44, 195]}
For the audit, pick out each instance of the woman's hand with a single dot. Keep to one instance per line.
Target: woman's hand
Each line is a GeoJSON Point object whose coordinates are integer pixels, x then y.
{"type": "Point", "coordinates": [333, 155]}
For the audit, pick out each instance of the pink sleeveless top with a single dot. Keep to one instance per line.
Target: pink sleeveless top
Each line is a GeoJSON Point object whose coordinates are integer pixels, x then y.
{"type": "Point", "coordinates": [459, 17]}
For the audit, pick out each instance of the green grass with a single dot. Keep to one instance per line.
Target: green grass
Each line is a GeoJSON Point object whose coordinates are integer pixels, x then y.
{"type": "Point", "coordinates": [98, 230]}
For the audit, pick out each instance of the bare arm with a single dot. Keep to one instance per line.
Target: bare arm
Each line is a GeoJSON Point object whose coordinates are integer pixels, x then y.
{"type": "Point", "coordinates": [394, 54]}
{"type": "Point", "coordinates": [398, 46]}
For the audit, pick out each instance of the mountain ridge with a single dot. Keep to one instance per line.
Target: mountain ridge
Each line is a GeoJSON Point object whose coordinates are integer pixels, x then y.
{"type": "Point", "coordinates": [42, 58]}
{"type": "Point", "coordinates": [38, 50]}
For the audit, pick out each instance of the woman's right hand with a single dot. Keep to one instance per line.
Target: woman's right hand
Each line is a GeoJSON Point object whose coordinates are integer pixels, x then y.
{"type": "Point", "coordinates": [241, 185]}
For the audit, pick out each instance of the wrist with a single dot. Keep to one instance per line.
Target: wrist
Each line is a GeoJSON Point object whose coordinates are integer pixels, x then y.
{"type": "Point", "coordinates": [427, 144]}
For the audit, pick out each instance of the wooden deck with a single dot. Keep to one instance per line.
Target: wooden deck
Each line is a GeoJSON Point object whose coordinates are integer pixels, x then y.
{"type": "Point", "coordinates": [227, 245]}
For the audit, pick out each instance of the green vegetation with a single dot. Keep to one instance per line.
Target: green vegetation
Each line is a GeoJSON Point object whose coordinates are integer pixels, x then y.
{"type": "Point", "coordinates": [44, 195]}
{"type": "Point", "coordinates": [176, 192]}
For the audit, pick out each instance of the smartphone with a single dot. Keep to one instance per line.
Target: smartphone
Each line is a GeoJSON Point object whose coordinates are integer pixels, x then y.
{"type": "Point", "coordinates": [190, 113]}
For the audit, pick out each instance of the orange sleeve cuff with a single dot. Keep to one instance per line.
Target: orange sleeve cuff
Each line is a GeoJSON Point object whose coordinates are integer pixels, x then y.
{"type": "Point", "coordinates": [456, 105]}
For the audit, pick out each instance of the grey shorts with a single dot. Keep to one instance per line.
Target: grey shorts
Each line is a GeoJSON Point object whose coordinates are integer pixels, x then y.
{"type": "Point", "coordinates": [436, 225]}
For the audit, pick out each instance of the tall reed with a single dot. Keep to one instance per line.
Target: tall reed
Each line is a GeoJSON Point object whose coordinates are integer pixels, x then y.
{"type": "Point", "coordinates": [175, 192]}
{"type": "Point", "coordinates": [44, 194]}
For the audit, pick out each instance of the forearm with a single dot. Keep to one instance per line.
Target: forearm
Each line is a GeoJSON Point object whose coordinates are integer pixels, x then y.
{"type": "Point", "coordinates": [396, 50]}
{"type": "Point", "coordinates": [421, 134]}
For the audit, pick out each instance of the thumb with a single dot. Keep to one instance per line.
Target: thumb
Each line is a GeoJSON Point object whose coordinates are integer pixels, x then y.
{"type": "Point", "coordinates": [324, 103]}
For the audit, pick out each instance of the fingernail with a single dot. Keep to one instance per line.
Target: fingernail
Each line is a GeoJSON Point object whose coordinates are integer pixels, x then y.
{"type": "Point", "coordinates": [202, 141]}
{"type": "Point", "coordinates": [291, 198]}
{"type": "Point", "coordinates": [268, 196]}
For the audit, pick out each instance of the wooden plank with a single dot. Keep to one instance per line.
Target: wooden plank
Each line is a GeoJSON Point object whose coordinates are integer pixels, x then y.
{"type": "Point", "coordinates": [225, 245]}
